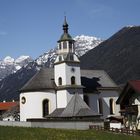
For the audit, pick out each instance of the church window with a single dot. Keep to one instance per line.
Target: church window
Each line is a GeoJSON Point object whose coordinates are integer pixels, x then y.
{"type": "Point", "coordinates": [71, 57]}
{"type": "Point", "coordinates": [65, 45]}
{"type": "Point", "coordinates": [60, 58]}
{"type": "Point", "coordinates": [111, 103]}
{"type": "Point", "coordinates": [59, 81]}
{"type": "Point", "coordinates": [70, 45]}
{"type": "Point", "coordinates": [45, 107]}
{"type": "Point", "coordinates": [100, 105]}
{"type": "Point", "coordinates": [73, 80]}
{"type": "Point", "coordinates": [86, 99]}
{"type": "Point", "coordinates": [60, 46]}
{"type": "Point", "coordinates": [23, 100]}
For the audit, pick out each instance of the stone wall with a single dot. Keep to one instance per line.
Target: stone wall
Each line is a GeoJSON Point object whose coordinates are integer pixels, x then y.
{"type": "Point", "coordinates": [62, 125]}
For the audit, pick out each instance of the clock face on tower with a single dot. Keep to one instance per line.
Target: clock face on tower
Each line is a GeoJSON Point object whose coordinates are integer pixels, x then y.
{"type": "Point", "coordinates": [72, 69]}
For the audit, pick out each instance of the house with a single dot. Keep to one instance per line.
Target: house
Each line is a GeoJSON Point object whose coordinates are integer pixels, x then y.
{"type": "Point", "coordinates": [9, 111]}
{"type": "Point", "coordinates": [129, 101]}
{"type": "Point", "coordinates": [66, 88]}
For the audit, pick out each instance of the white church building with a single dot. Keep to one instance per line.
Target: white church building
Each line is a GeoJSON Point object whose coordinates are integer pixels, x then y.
{"type": "Point", "coordinates": [57, 89]}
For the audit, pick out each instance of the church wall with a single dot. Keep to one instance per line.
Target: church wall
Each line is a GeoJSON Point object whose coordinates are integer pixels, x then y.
{"type": "Point", "coordinates": [33, 107]}
{"type": "Point", "coordinates": [93, 98]}
{"type": "Point", "coordinates": [105, 96]}
{"type": "Point", "coordinates": [64, 96]}
{"type": "Point", "coordinates": [65, 72]}
{"type": "Point", "coordinates": [76, 73]}
{"type": "Point", "coordinates": [61, 98]}
{"type": "Point", "coordinates": [59, 71]}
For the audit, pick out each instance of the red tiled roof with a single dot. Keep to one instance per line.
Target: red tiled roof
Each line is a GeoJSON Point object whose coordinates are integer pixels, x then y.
{"type": "Point", "coordinates": [135, 85]}
{"type": "Point", "coordinates": [7, 105]}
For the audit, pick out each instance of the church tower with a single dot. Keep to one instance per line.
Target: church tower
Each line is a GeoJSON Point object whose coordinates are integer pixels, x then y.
{"type": "Point", "coordinates": [67, 69]}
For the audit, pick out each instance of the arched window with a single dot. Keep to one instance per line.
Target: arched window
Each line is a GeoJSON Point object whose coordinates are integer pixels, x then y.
{"type": "Point", "coordinates": [60, 58]}
{"type": "Point", "coordinates": [111, 103]}
{"type": "Point", "coordinates": [45, 104]}
{"type": "Point", "coordinates": [59, 81]}
{"type": "Point", "coordinates": [60, 46]}
{"type": "Point", "coordinates": [100, 105]}
{"type": "Point", "coordinates": [71, 57]}
{"type": "Point", "coordinates": [65, 45]}
{"type": "Point", "coordinates": [86, 99]}
{"type": "Point", "coordinates": [70, 45]}
{"type": "Point", "coordinates": [73, 80]}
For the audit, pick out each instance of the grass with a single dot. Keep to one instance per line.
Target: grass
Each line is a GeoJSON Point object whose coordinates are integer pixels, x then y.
{"type": "Point", "coordinates": [20, 133]}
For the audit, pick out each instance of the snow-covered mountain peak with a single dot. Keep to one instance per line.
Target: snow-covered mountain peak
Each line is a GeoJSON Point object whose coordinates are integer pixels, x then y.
{"type": "Point", "coordinates": [22, 58]}
{"type": "Point", "coordinates": [85, 43]}
{"type": "Point", "coordinates": [87, 38]}
{"type": "Point", "coordinates": [130, 26]}
{"type": "Point", "coordinates": [10, 65]}
{"type": "Point", "coordinates": [8, 60]}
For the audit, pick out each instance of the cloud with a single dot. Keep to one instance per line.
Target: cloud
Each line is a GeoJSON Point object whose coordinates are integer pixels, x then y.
{"type": "Point", "coordinates": [3, 33]}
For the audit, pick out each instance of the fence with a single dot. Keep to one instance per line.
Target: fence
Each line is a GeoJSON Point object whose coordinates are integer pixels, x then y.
{"type": "Point", "coordinates": [116, 130]}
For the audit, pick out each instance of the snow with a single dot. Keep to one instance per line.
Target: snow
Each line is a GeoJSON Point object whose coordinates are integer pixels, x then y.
{"type": "Point", "coordinates": [18, 67]}
{"type": "Point", "coordinates": [85, 43]}
{"type": "Point", "coordinates": [131, 26]}
{"type": "Point", "coordinates": [22, 58]}
{"type": "Point", "coordinates": [8, 60]}
{"type": "Point", "coordinates": [10, 65]}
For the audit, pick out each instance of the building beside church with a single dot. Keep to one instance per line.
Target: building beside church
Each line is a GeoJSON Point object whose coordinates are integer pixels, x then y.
{"type": "Point", "coordinates": [68, 91]}
{"type": "Point", "coordinates": [129, 101]}
{"type": "Point", "coordinates": [9, 111]}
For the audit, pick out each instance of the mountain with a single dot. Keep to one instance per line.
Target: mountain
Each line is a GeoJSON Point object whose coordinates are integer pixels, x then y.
{"type": "Point", "coordinates": [119, 55]}
{"type": "Point", "coordinates": [9, 90]}
{"type": "Point", "coordinates": [9, 65]}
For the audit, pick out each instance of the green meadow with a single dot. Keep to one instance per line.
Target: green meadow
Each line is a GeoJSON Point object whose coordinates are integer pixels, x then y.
{"type": "Point", "coordinates": [20, 133]}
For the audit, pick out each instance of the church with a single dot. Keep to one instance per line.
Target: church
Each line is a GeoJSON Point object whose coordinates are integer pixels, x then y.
{"type": "Point", "coordinates": [68, 91]}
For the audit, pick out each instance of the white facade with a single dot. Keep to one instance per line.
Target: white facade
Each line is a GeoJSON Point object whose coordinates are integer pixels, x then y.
{"type": "Point", "coordinates": [104, 97]}
{"type": "Point", "coordinates": [65, 71]}
{"type": "Point", "coordinates": [33, 106]}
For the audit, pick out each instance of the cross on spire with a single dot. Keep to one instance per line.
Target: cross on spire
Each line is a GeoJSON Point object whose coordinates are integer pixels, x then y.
{"type": "Point", "coordinates": [65, 25]}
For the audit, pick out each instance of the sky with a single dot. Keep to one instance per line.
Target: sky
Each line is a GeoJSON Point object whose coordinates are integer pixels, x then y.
{"type": "Point", "coordinates": [32, 27]}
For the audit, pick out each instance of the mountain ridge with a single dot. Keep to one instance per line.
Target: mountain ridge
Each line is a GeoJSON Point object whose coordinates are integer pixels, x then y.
{"type": "Point", "coordinates": [10, 65]}
{"type": "Point", "coordinates": [118, 55]}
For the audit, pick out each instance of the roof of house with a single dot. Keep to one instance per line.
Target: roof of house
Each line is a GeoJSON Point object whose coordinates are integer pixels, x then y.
{"type": "Point", "coordinates": [75, 108]}
{"type": "Point", "coordinates": [90, 79]}
{"type": "Point", "coordinates": [131, 87]}
{"type": "Point", "coordinates": [135, 84]}
{"type": "Point", "coordinates": [7, 105]}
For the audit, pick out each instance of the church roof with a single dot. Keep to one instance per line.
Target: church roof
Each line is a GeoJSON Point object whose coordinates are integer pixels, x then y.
{"type": "Point", "coordinates": [90, 79]}
{"type": "Point", "coordinates": [65, 36]}
{"type": "Point", "coordinates": [75, 108]}
{"type": "Point", "coordinates": [101, 77]}
{"type": "Point", "coordinates": [42, 80]}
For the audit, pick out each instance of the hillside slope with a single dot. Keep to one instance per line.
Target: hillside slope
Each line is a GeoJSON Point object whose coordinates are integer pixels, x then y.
{"type": "Point", "coordinates": [119, 56]}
